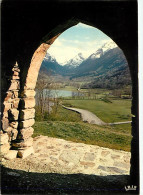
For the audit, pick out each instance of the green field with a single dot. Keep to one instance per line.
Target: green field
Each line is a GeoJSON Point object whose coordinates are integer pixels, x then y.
{"type": "Point", "coordinates": [67, 124]}
{"type": "Point", "coordinates": [117, 111]}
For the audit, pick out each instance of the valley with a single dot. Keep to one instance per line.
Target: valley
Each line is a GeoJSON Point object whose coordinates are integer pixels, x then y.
{"type": "Point", "coordinates": [100, 84]}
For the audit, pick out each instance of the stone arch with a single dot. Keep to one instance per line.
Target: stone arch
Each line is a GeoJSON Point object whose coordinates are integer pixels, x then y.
{"type": "Point", "coordinates": [26, 110]}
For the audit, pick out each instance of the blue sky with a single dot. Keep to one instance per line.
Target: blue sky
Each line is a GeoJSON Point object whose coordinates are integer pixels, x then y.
{"type": "Point", "coordinates": [77, 39]}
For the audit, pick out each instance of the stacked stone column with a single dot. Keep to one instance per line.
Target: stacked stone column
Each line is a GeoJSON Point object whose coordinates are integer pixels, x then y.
{"type": "Point", "coordinates": [24, 141]}
{"type": "Point", "coordinates": [10, 114]}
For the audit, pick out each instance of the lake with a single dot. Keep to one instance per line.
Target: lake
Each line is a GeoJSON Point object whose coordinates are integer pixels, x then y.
{"type": "Point", "coordinates": [61, 93]}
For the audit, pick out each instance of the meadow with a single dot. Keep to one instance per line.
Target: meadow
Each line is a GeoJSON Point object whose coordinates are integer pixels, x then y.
{"type": "Point", "coordinates": [66, 124]}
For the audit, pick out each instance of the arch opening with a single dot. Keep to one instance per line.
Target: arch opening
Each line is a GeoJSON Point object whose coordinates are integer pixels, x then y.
{"type": "Point", "coordinates": [33, 74]}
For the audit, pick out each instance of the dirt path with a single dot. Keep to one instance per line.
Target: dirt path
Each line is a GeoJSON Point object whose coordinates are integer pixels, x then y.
{"type": "Point", "coordinates": [91, 118]}
{"type": "Point", "coordinates": [87, 116]}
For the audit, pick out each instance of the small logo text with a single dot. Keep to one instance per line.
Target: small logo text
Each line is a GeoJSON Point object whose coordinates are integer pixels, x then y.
{"type": "Point", "coordinates": [132, 187]}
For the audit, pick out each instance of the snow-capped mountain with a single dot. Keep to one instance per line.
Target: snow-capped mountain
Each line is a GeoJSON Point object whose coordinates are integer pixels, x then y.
{"type": "Point", "coordinates": [104, 48]}
{"type": "Point", "coordinates": [108, 45]}
{"type": "Point", "coordinates": [76, 61]}
{"type": "Point", "coordinates": [49, 58]}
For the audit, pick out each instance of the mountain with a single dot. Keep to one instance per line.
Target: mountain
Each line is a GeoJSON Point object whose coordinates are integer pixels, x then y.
{"type": "Point", "coordinates": [74, 62]}
{"type": "Point", "coordinates": [110, 70]}
{"type": "Point", "coordinates": [106, 67]}
{"type": "Point", "coordinates": [101, 51]}
{"type": "Point", "coordinates": [50, 66]}
{"type": "Point", "coordinates": [113, 59]}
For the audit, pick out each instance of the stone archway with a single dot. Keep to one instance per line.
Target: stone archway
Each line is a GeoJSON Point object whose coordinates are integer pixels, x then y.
{"type": "Point", "coordinates": [25, 113]}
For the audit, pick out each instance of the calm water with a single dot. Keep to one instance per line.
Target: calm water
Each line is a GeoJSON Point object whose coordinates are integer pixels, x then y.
{"type": "Point", "coordinates": [61, 93]}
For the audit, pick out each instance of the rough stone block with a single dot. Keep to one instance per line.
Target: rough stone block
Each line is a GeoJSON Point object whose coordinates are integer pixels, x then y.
{"type": "Point", "coordinates": [14, 133]}
{"type": "Point", "coordinates": [7, 106]}
{"type": "Point", "coordinates": [5, 148]}
{"type": "Point", "coordinates": [15, 93]}
{"type": "Point", "coordinates": [15, 73]}
{"type": "Point", "coordinates": [15, 77]}
{"type": "Point", "coordinates": [13, 114]}
{"type": "Point", "coordinates": [89, 156]}
{"type": "Point", "coordinates": [27, 114]}
{"type": "Point", "coordinates": [28, 102]}
{"type": "Point", "coordinates": [14, 85]}
{"type": "Point", "coordinates": [4, 138]}
{"type": "Point", "coordinates": [11, 154]}
{"type": "Point", "coordinates": [23, 144]}
{"type": "Point", "coordinates": [25, 133]}
{"type": "Point", "coordinates": [8, 96]}
{"type": "Point", "coordinates": [5, 123]}
{"type": "Point", "coordinates": [28, 93]}
{"type": "Point", "coordinates": [16, 102]}
{"type": "Point", "coordinates": [26, 152]}
{"type": "Point", "coordinates": [14, 125]}
{"type": "Point", "coordinates": [27, 123]}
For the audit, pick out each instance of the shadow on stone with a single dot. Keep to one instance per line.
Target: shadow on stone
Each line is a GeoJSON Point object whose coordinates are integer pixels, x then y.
{"type": "Point", "coordinates": [21, 182]}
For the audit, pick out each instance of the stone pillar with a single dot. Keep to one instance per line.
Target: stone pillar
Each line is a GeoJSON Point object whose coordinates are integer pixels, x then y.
{"type": "Point", "coordinates": [10, 114]}
{"type": "Point", "coordinates": [24, 141]}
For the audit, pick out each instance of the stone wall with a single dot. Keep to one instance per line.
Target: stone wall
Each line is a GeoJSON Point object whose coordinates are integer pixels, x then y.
{"type": "Point", "coordinates": [11, 113]}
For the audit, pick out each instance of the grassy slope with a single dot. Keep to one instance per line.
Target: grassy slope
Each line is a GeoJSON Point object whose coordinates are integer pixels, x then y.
{"type": "Point", "coordinates": [60, 126]}
{"type": "Point", "coordinates": [85, 133]}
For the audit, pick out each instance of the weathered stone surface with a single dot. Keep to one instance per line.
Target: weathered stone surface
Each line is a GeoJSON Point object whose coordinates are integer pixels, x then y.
{"type": "Point", "coordinates": [15, 77]}
{"type": "Point", "coordinates": [8, 96]}
{"type": "Point", "coordinates": [35, 66]}
{"type": "Point", "coordinates": [27, 123]}
{"type": "Point", "coordinates": [112, 169]}
{"type": "Point", "coordinates": [14, 133]}
{"type": "Point", "coordinates": [14, 85]}
{"type": "Point", "coordinates": [25, 133]}
{"type": "Point", "coordinates": [16, 69]}
{"type": "Point", "coordinates": [14, 124]}
{"type": "Point", "coordinates": [121, 165]}
{"type": "Point", "coordinates": [16, 102]}
{"type": "Point", "coordinates": [105, 153]}
{"type": "Point", "coordinates": [89, 156]}
{"type": "Point", "coordinates": [28, 93]}
{"type": "Point", "coordinates": [4, 138]}
{"type": "Point", "coordinates": [72, 156]}
{"type": "Point", "coordinates": [15, 73]}
{"type": "Point", "coordinates": [27, 114]}
{"type": "Point", "coordinates": [115, 156]}
{"type": "Point", "coordinates": [87, 164]}
{"type": "Point", "coordinates": [11, 154]}
{"type": "Point", "coordinates": [7, 106]}
{"type": "Point", "coordinates": [28, 102]}
{"type": "Point", "coordinates": [15, 94]}
{"type": "Point", "coordinates": [26, 152]}
{"type": "Point", "coordinates": [5, 148]}
{"type": "Point", "coordinates": [13, 114]}
{"type": "Point", "coordinates": [25, 143]}
{"type": "Point", "coordinates": [51, 155]}
{"type": "Point", "coordinates": [5, 123]}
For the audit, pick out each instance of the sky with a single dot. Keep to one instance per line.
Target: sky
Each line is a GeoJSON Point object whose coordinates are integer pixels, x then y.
{"type": "Point", "coordinates": [80, 38]}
